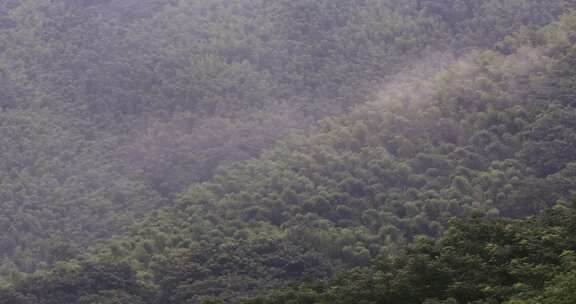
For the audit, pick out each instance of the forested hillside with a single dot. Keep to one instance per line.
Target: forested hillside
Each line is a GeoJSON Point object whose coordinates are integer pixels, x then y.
{"type": "Point", "coordinates": [477, 261]}
{"type": "Point", "coordinates": [204, 151]}
{"type": "Point", "coordinates": [110, 108]}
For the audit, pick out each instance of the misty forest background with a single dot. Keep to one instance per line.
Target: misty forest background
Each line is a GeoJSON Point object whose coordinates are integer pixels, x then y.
{"type": "Point", "coordinates": [287, 151]}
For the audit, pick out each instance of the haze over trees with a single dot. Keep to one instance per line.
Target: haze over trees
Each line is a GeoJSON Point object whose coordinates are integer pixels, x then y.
{"type": "Point", "coordinates": [302, 151]}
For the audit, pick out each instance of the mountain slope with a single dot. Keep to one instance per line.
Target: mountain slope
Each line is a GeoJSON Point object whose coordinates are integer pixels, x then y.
{"type": "Point", "coordinates": [490, 136]}
{"type": "Point", "coordinates": [111, 108]}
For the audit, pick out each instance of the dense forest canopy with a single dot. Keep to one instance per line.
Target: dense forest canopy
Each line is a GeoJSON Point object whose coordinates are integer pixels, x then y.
{"type": "Point", "coordinates": [287, 151]}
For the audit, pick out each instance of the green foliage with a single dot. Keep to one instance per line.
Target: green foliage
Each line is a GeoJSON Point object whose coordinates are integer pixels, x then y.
{"type": "Point", "coordinates": [109, 113]}
{"type": "Point", "coordinates": [80, 283]}
{"type": "Point", "coordinates": [349, 190]}
{"type": "Point", "coordinates": [477, 261]}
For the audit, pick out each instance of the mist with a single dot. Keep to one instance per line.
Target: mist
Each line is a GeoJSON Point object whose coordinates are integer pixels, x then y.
{"type": "Point", "coordinates": [167, 139]}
